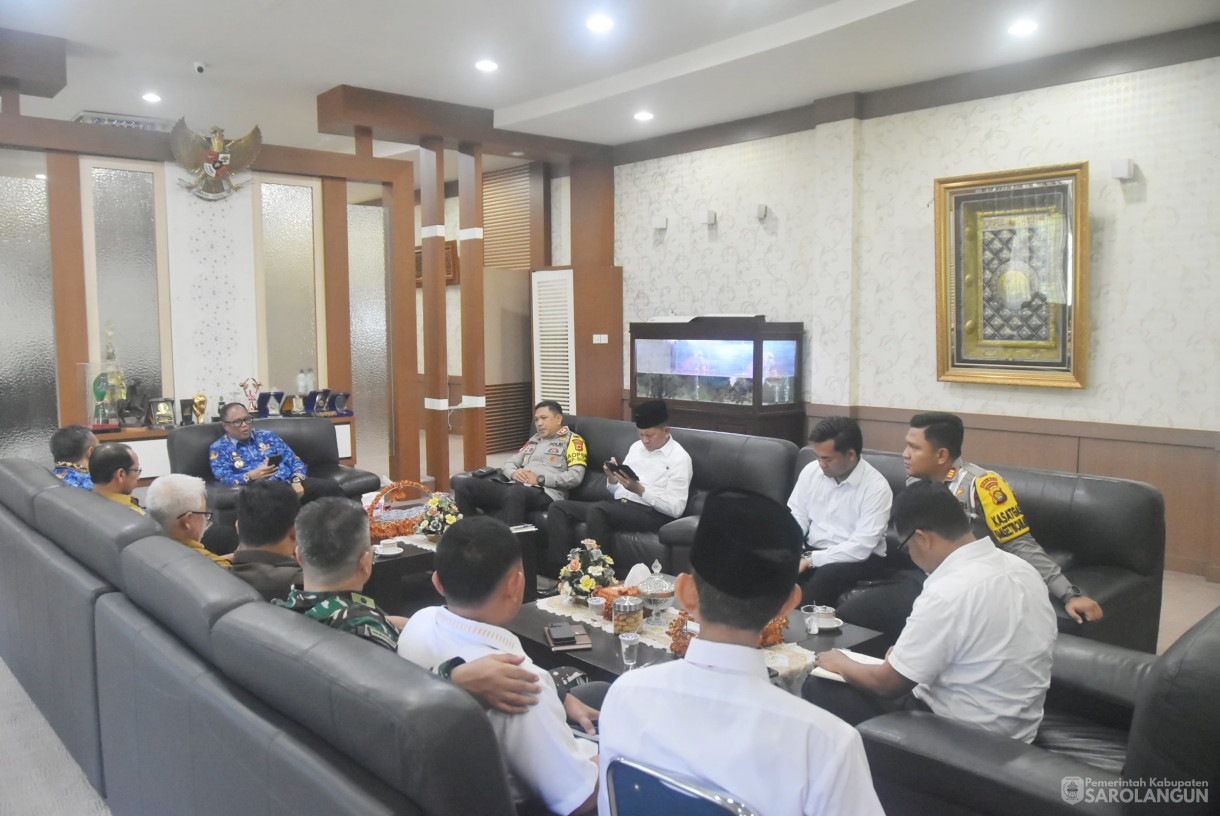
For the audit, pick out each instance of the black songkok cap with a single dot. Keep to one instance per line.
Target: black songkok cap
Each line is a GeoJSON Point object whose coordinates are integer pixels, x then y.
{"type": "Point", "coordinates": [651, 414]}
{"type": "Point", "coordinates": [746, 544]}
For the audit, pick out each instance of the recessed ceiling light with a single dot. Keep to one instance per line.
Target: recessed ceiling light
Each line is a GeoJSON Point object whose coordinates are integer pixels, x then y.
{"type": "Point", "coordinates": [643, 116]}
{"type": "Point", "coordinates": [600, 23]}
{"type": "Point", "coordinates": [151, 97]}
{"type": "Point", "coordinates": [517, 153]}
{"type": "Point", "coordinates": [41, 176]}
{"type": "Point", "coordinates": [1022, 28]}
{"type": "Point", "coordinates": [486, 66]}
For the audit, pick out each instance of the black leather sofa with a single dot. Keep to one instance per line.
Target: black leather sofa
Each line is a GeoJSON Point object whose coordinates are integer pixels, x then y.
{"type": "Point", "coordinates": [1108, 536]}
{"type": "Point", "coordinates": [719, 460]}
{"type": "Point", "coordinates": [311, 438]}
{"type": "Point", "coordinates": [179, 691]}
{"type": "Point", "coordinates": [1113, 716]}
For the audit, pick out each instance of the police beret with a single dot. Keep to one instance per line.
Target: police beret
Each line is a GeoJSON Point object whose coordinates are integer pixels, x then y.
{"type": "Point", "coordinates": [746, 544]}
{"type": "Point", "coordinates": [652, 414]}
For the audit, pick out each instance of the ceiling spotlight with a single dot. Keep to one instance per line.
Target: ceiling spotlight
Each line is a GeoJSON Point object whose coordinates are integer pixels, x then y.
{"type": "Point", "coordinates": [40, 176]}
{"type": "Point", "coordinates": [643, 116]}
{"type": "Point", "coordinates": [599, 24]}
{"type": "Point", "coordinates": [1022, 28]}
{"type": "Point", "coordinates": [486, 66]}
{"type": "Point", "coordinates": [517, 153]}
{"type": "Point", "coordinates": [151, 97]}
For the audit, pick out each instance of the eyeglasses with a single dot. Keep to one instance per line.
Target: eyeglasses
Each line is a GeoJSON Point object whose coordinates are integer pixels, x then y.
{"type": "Point", "coordinates": [903, 546]}
{"type": "Point", "coordinates": [207, 514]}
{"type": "Point", "coordinates": [238, 422]}
{"type": "Point", "coordinates": [136, 471]}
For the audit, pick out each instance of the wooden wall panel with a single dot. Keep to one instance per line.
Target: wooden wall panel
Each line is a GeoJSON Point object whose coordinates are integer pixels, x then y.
{"type": "Point", "coordinates": [68, 282]}
{"type": "Point", "coordinates": [506, 219]}
{"type": "Point", "coordinates": [598, 295]}
{"type": "Point", "coordinates": [1187, 478]}
{"type": "Point", "coordinates": [508, 415]}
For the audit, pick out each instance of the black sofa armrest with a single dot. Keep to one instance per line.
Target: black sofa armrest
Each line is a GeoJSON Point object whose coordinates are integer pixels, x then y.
{"type": "Point", "coordinates": [1097, 681]}
{"type": "Point", "coordinates": [969, 768]}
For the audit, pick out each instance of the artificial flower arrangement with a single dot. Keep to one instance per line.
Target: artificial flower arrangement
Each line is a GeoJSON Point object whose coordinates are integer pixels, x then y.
{"type": "Point", "coordinates": [439, 513]}
{"type": "Point", "coordinates": [588, 568]}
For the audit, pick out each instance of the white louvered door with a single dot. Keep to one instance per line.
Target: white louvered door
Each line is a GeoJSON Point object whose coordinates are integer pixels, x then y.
{"type": "Point", "coordinates": [554, 338]}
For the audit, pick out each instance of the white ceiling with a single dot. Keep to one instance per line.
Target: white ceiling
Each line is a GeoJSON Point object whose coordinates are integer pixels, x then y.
{"type": "Point", "coordinates": [691, 62]}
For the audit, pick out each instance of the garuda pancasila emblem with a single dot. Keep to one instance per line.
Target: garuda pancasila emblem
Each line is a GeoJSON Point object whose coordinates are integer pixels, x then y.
{"type": "Point", "coordinates": [213, 160]}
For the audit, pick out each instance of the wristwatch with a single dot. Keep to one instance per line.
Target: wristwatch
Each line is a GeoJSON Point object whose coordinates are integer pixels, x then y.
{"type": "Point", "coordinates": [542, 481]}
{"type": "Point", "coordinates": [445, 670]}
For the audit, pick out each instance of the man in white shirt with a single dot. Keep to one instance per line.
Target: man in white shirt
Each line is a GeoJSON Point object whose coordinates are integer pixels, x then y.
{"type": "Point", "coordinates": [977, 647]}
{"type": "Point", "coordinates": [843, 506]}
{"type": "Point", "coordinates": [655, 498]}
{"type": "Point", "coordinates": [714, 718]}
{"type": "Point", "coordinates": [478, 570]}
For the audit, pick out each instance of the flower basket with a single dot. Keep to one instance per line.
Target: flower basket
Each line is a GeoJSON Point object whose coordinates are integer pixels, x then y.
{"type": "Point", "coordinates": [398, 491]}
{"type": "Point", "coordinates": [439, 514]}
{"type": "Point", "coordinates": [587, 569]}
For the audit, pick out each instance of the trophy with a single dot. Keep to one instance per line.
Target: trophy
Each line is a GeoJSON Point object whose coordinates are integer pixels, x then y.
{"type": "Point", "coordinates": [199, 406]}
{"type": "Point", "coordinates": [269, 403]}
{"type": "Point", "coordinates": [250, 386]}
{"type": "Point", "coordinates": [315, 401]}
{"type": "Point", "coordinates": [161, 413]}
{"type": "Point", "coordinates": [102, 408]}
{"type": "Point", "coordinates": [338, 402]}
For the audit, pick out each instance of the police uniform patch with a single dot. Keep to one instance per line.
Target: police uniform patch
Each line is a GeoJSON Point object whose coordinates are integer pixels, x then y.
{"type": "Point", "coordinates": [1000, 509]}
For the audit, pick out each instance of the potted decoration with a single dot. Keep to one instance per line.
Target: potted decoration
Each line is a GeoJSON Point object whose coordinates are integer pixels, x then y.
{"type": "Point", "coordinates": [439, 513]}
{"type": "Point", "coordinates": [587, 569]}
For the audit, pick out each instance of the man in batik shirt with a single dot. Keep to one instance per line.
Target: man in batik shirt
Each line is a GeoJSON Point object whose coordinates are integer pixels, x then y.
{"type": "Point", "coordinates": [243, 455]}
{"type": "Point", "coordinates": [70, 447]}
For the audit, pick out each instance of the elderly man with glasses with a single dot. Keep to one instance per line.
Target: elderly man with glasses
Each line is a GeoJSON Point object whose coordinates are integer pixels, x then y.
{"type": "Point", "coordinates": [179, 503]}
{"type": "Point", "coordinates": [246, 454]}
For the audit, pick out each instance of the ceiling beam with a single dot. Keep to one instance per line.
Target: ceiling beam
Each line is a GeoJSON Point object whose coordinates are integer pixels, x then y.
{"type": "Point", "coordinates": [411, 119]}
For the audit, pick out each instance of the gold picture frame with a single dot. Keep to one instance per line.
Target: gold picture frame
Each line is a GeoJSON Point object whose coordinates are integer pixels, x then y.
{"type": "Point", "coordinates": [1012, 277]}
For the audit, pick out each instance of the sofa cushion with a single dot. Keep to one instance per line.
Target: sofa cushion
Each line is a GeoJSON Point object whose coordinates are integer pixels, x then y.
{"type": "Point", "coordinates": [90, 528]}
{"type": "Point", "coordinates": [388, 715]}
{"type": "Point", "coordinates": [180, 738]}
{"type": "Point", "coordinates": [184, 591]}
{"type": "Point", "coordinates": [20, 482]}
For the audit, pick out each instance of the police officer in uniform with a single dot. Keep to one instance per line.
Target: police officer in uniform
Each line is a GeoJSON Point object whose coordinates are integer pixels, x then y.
{"type": "Point", "coordinates": [934, 452]}
{"type": "Point", "coordinates": [550, 464]}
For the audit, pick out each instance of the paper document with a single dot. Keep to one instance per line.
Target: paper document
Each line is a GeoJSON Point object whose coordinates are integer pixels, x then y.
{"type": "Point", "coordinates": [868, 660]}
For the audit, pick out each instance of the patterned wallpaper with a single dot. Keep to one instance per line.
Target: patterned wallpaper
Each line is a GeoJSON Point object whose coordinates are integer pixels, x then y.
{"type": "Point", "coordinates": [211, 269]}
{"type": "Point", "coordinates": [561, 221]}
{"type": "Point", "coordinates": [847, 243]}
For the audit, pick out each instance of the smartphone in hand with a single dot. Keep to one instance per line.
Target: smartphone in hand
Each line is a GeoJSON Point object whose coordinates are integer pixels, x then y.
{"type": "Point", "coordinates": [275, 459]}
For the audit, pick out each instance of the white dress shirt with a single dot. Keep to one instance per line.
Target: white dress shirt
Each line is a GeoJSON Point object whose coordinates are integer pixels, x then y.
{"type": "Point", "coordinates": [843, 521]}
{"type": "Point", "coordinates": [544, 759]}
{"type": "Point", "coordinates": [715, 719]}
{"type": "Point", "coordinates": [979, 641]}
{"type": "Point", "coordinates": [665, 474]}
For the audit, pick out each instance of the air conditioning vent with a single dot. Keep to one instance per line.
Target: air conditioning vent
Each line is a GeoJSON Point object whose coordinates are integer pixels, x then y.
{"type": "Point", "coordinates": [554, 338]}
{"type": "Point", "coordinates": [124, 120]}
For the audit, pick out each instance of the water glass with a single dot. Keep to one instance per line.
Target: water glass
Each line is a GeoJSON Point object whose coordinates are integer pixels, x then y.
{"type": "Point", "coordinates": [630, 644]}
{"type": "Point", "coordinates": [811, 618]}
{"type": "Point", "coordinates": [597, 608]}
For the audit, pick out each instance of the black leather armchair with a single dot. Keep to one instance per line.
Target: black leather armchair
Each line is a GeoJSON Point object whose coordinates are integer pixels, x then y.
{"type": "Point", "coordinates": [1113, 714]}
{"type": "Point", "coordinates": [311, 438]}
{"type": "Point", "coordinates": [1108, 536]}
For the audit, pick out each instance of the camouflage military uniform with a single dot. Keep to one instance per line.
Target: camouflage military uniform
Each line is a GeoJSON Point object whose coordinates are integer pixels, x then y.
{"type": "Point", "coordinates": [73, 474]}
{"type": "Point", "coordinates": [347, 612]}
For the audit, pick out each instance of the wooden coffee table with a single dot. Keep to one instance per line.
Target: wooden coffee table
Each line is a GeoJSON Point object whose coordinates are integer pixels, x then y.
{"type": "Point", "coordinates": [604, 661]}
{"type": "Point", "coordinates": [385, 584]}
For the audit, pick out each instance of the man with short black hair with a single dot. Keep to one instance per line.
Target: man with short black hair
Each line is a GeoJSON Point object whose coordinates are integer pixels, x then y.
{"type": "Point", "coordinates": [714, 717]}
{"type": "Point", "coordinates": [266, 555]}
{"type": "Point", "coordinates": [977, 647]}
{"type": "Point", "coordinates": [843, 506]}
{"type": "Point", "coordinates": [242, 455]}
{"type": "Point", "coordinates": [478, 571]}
{"type": "Point", "coordinates": [179, 503]}
{"type": "Point", "coordinates": [71, 446]}
{"type": "Point", "coordinates": [933, 453]}
{"type": "Point", "coordinates": [115, 471]}
{"type": "Point", "coordinates": [546, 467]}
{"type": "Point", "coordinates": [657, 497]}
